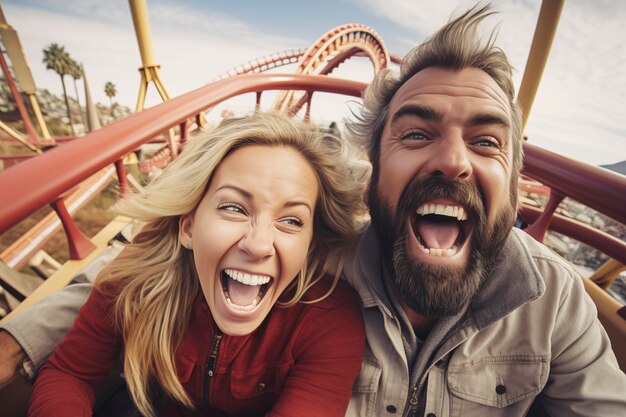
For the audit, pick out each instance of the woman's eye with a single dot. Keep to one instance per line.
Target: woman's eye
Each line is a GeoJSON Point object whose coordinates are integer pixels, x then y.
{"type": "Point", "coordinates": [292, 221]}
{"type": "Point", "coordinates": [414, 135]}
{"type": "Point", "coordinates": [232, 207]}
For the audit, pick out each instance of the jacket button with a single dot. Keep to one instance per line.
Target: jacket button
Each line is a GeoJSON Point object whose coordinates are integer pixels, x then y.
{"type": "Point", "coordinates": [391, 409]}
{"type": "Point", "coordinates": [431, 415]}
{"type": "Point", "coordinates": [261, 386]}
{"type": "Point", "coordinates": [500, 389]}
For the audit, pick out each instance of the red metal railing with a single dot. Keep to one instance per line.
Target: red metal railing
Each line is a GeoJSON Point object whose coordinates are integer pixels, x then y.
{"type": "Point", "coordinates": [597, 188]}
{"type": "Point", "coordinates": [32, 184]}
{"type": "Point", "coordinates": [43, 180]}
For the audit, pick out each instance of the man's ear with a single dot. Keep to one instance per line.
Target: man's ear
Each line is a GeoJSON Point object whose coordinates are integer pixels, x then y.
{"type": "Point", "coordinates": [185, 228]}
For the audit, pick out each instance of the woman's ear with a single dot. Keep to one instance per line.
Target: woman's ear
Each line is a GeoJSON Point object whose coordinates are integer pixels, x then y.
{"type": "Point", "coordinates": [185, 229]}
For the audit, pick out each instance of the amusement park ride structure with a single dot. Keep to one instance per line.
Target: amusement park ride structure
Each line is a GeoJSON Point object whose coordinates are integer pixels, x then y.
{"type": "Point", "coordinates": [22, 193]}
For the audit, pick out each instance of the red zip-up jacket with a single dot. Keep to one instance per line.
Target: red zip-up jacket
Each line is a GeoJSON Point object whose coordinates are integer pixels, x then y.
{"type": "Point", "coordinates": [301, 361]}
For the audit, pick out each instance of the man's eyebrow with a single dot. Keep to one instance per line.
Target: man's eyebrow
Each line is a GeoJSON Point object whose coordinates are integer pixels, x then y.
{"type": "Point", "coordinates": [423, 112]}
{"type": "Point", "coordinates": [488, 119]}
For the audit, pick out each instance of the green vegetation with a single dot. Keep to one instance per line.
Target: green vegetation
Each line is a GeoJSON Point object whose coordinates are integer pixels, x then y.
{"type": "Point", "coordinates": [57, 59]}
{"type": "Point", "coordinates": [76, 71]}
{"type": "Point", "coordinates": [90, 220]}
{"type": "Point", "coordinates": [111, 91]}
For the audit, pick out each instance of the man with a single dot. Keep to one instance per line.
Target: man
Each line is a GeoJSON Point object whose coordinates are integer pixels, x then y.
{"type": "Point", "coordinates": [464, 317]}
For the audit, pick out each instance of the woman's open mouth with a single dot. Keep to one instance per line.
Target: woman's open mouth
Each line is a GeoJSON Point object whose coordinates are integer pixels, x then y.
{"type": "Point", "coordinates": [244, 291]}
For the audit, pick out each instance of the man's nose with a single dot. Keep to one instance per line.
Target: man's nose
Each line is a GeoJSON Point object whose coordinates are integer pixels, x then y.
{"type": "Point", "coordinates": [450, 159]}
{"type": "Point", "coordinates": [258, 242]}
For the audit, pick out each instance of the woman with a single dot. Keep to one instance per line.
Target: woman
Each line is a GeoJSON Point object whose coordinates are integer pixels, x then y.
{"type": "Point", "coordinates": [222, 304]}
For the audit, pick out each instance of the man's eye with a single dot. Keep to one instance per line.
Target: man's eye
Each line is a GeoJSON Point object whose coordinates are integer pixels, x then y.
{"type": "Point", "coordinates": [232, 207]}
{"type": "Point", "coordinates": [414, 135]}
{"type": "Point", "coordinates": [487, 142]}
{"type": "Point", "coordinates": [292, 221]}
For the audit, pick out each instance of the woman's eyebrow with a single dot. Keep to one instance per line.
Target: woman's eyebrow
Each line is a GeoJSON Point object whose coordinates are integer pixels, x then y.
{"type": "Point", "coordinates": [247, 195]}
{"type": "Point", "coordinates": [239, 190]}
{"type": "Point", "coordinates": [296, 203]}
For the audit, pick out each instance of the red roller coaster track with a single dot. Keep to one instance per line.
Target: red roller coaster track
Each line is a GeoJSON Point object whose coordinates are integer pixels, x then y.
{"type": "Point", "coordinates": [326, 54]}
{"type": "Point", "coordinates": [22, 191]}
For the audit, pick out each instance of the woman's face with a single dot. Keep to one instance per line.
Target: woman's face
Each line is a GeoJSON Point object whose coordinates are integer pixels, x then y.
{"type": "Point", "coordinates": [251, 232]}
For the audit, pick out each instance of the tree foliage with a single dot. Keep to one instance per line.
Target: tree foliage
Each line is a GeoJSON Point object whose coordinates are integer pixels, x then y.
{"type": "Point", "coordinates": [58, 60]}
{"type": "Point", "coordinates": [111, 91]}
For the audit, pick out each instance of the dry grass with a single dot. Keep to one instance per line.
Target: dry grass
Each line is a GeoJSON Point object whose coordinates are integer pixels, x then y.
{"type": "Point", "coordinates": [90, 219]}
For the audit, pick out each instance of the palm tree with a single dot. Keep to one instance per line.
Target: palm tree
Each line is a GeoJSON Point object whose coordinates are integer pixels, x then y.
{"type": "Point", "coordinates": [76, 71]}
{"type": "Point", "coordinates": [57, 59]}
{"type": "Point", "coordinates": [111, 91]}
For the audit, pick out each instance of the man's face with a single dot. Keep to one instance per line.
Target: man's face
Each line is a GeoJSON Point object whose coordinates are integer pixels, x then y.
{"type": "Point", "coordinates": [440, 199]}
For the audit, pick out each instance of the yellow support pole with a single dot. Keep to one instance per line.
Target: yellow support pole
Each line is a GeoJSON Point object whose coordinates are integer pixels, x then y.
{"type": "Point", "coordinates": [540, 49]}
{"type": "Point", "coordinates": [23, 74]}
{"type": "Point", "coordinates": [150, 69]}
{"type": "Point", "coordinates": [42, 124]}
{"type": "Point", "coordinates": [606, 274]}
{"type": "Point", "coordinates": [139, 10]}
{"type": "Point", "coordinates": [15, 135]}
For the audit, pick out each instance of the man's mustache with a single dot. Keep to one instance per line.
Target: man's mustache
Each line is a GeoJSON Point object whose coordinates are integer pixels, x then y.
{"type": "Point", "coordinates": [422, 190]}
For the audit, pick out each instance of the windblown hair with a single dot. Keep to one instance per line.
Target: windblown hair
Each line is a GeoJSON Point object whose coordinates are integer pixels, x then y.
{"type": "Point", "coordinates": [455, 46]}
{"type": "Point", "coordinates": [155, 276]}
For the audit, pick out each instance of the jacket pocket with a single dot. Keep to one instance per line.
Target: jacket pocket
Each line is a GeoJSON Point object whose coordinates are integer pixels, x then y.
{"type": "Point", "coordinates": [364, 389]}
{"type": "Point", "coordinates": [258, 381]}
{"type": "Point", "coordinates": [499, 381]}
{"type": "Point", "coordinates": [184, 367]}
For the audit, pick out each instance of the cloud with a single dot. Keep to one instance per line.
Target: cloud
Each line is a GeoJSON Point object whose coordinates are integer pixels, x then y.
{"type": "Point", "coordinates": [192, 47]}
{"type": "Point", "coordinates": [581, 102]}
{"type": "Point", "coordinates": [584, 85]}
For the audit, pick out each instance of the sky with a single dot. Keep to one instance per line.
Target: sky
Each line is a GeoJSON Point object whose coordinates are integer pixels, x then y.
{"type": "Point", "coordinates": [579, 111]}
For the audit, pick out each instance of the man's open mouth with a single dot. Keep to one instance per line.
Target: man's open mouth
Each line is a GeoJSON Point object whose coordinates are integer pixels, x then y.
{"type": "Point", "coordinates": [244, 291]}
{"type": "Point", "coordinates": [441, 229]}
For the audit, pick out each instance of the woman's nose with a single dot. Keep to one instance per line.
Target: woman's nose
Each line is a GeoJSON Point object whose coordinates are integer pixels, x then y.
{"type": "Point", "coordinates": [258, 242]}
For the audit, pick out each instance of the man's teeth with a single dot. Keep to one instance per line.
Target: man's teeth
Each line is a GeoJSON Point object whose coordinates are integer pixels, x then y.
{"type": "Point", "coordinates": [247, 279]}
{"type": "Point", "coordinates": [442, 210]}
{"type": "Point", "coordinates": [440, 252]}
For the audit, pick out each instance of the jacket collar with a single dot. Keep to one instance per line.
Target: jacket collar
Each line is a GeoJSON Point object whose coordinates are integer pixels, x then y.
{"type": "Point", "coordinates": [365, 273]}
{"type": "Point", "coordinates": [514, 281]}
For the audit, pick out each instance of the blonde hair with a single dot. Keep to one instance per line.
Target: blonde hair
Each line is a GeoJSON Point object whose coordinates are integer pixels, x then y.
{"type": "Point", "coordinates": [455, 46]}
{"type": "Point", "coordinates": [156, 278]}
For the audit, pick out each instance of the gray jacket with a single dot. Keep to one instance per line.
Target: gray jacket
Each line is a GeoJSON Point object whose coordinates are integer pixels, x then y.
{"type": "Point", "coordinates": [40, 328]}
{"type": "Point", "coordinates": [530, 331]}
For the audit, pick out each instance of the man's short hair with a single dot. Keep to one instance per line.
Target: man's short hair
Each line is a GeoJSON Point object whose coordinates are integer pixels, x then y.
{"type": "Point", "coordinates": [455, 46]}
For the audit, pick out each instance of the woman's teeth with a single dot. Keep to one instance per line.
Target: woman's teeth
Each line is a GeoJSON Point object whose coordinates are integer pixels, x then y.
{"type": "Point", "coordinates": [247, 279]}
{"type": "Point", "coordinates": [251, 282]}
{"type": "Point", "coordinates": [249, 307]}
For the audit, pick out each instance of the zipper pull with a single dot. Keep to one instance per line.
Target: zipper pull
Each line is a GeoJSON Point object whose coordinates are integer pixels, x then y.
{"type": "Point", "coordinates": [413, 402]}
{"type": "Point", "coordinates": [211, 363]}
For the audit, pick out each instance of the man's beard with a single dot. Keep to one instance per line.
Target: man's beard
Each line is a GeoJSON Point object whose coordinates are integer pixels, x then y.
{"type": "Point", "coordinates": [429, 289]}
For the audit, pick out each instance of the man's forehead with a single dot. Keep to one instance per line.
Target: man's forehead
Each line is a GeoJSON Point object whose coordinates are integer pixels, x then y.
{"type": "Point", "coordinates": [468, 82]}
